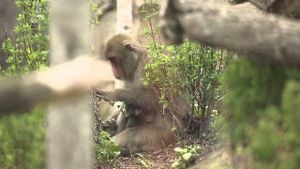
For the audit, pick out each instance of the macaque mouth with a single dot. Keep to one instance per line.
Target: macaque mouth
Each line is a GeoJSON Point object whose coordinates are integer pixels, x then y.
{"type": "Point", "coordinates": [115, 66]}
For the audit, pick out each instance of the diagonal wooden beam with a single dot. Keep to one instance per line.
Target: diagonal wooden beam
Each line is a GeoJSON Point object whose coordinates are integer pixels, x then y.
{"type": "Point", "coordinates": [60, 82]}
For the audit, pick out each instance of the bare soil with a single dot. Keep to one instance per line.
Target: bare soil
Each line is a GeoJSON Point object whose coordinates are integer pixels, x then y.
{"type": "Point", "coordinates": [159, 159]}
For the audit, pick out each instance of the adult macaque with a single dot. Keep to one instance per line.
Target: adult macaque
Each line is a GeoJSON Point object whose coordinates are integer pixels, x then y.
{"type": "Point", "coordinates": [142, 126]}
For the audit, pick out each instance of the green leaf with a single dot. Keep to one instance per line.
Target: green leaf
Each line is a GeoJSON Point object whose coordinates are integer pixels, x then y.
{"type": "Point", "coordinates": [187, 156]}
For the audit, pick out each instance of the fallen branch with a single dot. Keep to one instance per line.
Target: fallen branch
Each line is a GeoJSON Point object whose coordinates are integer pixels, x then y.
{"type": "Point", "coordinates": [59, 82]}
{"type": "Point", "coordinates": [263, 37]}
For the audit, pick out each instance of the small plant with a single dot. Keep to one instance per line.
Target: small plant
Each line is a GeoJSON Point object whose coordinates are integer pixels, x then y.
{"type": "Point", "coordinates": [145, 162]}
{"type": "Point", "coordinates": [95, 11]}
{"type": "Point", "coordinates": [106, 149]}
{"type": "Point", "coordinates": [186, 156]}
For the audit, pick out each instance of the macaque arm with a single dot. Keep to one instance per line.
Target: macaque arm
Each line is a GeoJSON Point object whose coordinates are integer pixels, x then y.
{"type": "Point", "coordinates": [139, 98]}
{"type": "Point", "coordinates": [123, 95]}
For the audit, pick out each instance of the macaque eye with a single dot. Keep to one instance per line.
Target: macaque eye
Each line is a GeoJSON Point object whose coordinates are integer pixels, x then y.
{"type": "Point", "coordinates": [129, 46]}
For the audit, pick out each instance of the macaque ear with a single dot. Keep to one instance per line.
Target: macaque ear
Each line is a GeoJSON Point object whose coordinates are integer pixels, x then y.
{"type": "Point", "coordinates": [129, 45]}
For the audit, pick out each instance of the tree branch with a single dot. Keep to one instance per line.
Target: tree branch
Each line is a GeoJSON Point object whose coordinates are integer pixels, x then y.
{"type": "Point", "coordinates": [259, 36]}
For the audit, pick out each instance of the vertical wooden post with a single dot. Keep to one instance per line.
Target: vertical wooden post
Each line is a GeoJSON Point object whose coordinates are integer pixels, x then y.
{"type": "Point", "coordinates": [124, 16]}
{"type": "Point", "coordinates": [69, 132]}
{"type": "Point", "coordinates": [124, 24]}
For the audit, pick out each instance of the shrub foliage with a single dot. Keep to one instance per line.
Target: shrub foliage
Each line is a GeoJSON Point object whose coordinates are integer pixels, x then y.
{"type": "Point", "coordinates": [27, 50]}
{"type": "Point", "coordinates": [263, 110]}
{"type": "Point", "coordinates": [22, 138]}
{"type": "Point", "coordinates": [187, 76]}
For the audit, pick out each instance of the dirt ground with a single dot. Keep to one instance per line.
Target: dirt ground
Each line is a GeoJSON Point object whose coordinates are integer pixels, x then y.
{"type": "Point", "coordinates": [159, 159]}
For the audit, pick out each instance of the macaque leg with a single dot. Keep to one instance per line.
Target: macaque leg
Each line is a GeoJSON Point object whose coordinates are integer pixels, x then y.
{"type": "Point", "coordinates": [146, 137]}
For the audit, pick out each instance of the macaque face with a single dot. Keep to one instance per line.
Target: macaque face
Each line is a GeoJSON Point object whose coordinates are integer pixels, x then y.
{"type": "Point", "coordinates": [123, 57]}
{"type": "Point", "coordinates": [115, 63]}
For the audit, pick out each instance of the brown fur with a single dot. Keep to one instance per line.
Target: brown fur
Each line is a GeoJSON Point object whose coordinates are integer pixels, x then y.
{"type": "Point", "coordinates": [143, 125]}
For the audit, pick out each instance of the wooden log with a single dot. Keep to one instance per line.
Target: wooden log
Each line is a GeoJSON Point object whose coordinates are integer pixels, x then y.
{"type": "Point", "coordinates": [60, 82]}
{"type": "Point", "coordinates": [259, 36]}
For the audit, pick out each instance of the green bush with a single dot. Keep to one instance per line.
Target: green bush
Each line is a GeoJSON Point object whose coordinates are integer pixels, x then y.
{"type": "Point", "coordinates": [186, 77]}
{"type": "Point", "coordinates": [22, 141]}
{"type": "Point", "coordinates": [263, 104]}
{"type": "Point", "coordinates": [28, 50]}
{"type": "Point", "coordinates": [187, 74]}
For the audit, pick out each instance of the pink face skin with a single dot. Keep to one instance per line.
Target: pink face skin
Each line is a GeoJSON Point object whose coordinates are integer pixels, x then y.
{"type": "Point", "coordinates": [114, 62]}
{"type": "Point", "coordinates": [115, 67]}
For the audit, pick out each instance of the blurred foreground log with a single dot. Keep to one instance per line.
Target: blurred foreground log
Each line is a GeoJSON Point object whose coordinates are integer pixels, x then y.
{"type": "Point", "coordinates": [217, 159]}
{"type": "Point", "coordinates": [60, 82]}
{"type": "Point", "coordinates": [262, 37]}
{"type": "Point", "coordinates": [289, 8]}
